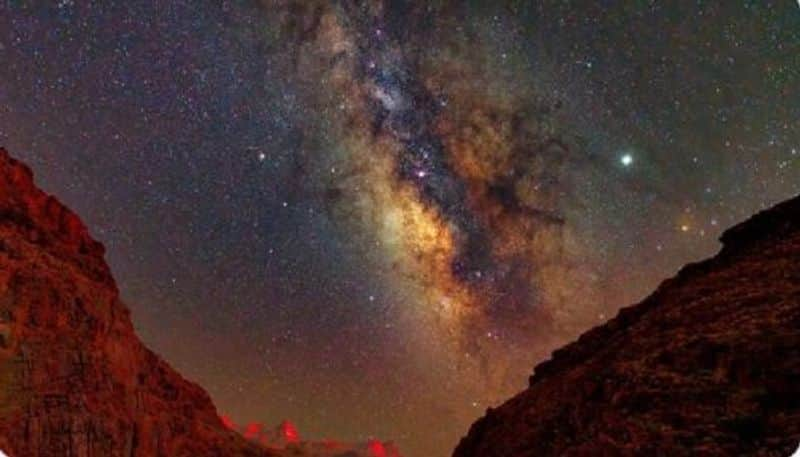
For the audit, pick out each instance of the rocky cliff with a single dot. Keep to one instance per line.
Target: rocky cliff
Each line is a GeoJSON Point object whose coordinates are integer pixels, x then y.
{"type": "Point", "coordinates": [707, 365]}
{"type": "Point", "coordinates": [74, 378]}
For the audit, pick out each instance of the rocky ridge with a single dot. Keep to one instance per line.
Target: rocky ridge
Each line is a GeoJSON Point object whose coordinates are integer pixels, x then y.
{"type": "Point", "coordinates": [74, 378]}
{"type": "Point", "coordinates": [708, 365]}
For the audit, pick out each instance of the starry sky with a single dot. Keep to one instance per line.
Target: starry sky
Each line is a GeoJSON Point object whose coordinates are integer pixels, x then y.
{"type": "Point", "coordinates": [373, 218]}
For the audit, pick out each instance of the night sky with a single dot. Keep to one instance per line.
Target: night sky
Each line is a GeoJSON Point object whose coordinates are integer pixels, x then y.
{"type": "Point", "coordinates": [374, 218]}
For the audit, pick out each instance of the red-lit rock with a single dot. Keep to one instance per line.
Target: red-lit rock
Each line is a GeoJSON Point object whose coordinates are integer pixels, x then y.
{"type": "Point", "coordinates": [253, 431]}
{"type": "Point", "coordinates": [285, 438]}
{"type": "Point", "coordinates": [228, 422]}
{"type": "Point", "coordinates": [707, 365]}
{"type": "Point", "coordinates": [376, 448]}
{"type": "Point", "coordinates": [288, 432]}
{"type": "Point", "coordinates": [74, 378]}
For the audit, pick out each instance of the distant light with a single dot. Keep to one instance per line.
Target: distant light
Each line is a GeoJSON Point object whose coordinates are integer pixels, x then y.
{"type": "Point", "coordinates": [626, 160]}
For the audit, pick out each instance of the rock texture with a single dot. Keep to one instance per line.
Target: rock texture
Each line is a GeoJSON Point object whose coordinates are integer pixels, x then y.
{"type": "Point", "coordinates": [708, 365]}
{"type": "Point", "coordinates": [74, 378]}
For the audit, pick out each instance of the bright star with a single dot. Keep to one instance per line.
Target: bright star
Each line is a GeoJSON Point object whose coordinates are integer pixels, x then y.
{"type": "Point", "coordinates": [626, 160]}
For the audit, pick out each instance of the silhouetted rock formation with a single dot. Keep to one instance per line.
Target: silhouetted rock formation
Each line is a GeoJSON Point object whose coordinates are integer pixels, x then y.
{"type": "Point", "coordinates": [707, 365]}
{"type": "Point", "coordinates": [74, 378]}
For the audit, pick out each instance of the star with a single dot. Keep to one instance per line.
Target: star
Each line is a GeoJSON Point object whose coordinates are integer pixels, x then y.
{"type": "Point", "coordinates": [626, 160]}
{"type": "Point", "coordinates": [399, 158]}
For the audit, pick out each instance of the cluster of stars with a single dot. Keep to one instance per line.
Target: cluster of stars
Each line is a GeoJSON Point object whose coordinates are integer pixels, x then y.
{"type": "Point", "coordinates": [187, 138]}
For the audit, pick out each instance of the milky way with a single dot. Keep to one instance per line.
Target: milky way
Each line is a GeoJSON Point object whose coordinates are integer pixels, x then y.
{"type": "Point", "coordinates": [374, 218]}
{"type": "Point", "coordinates": [464, 190]}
